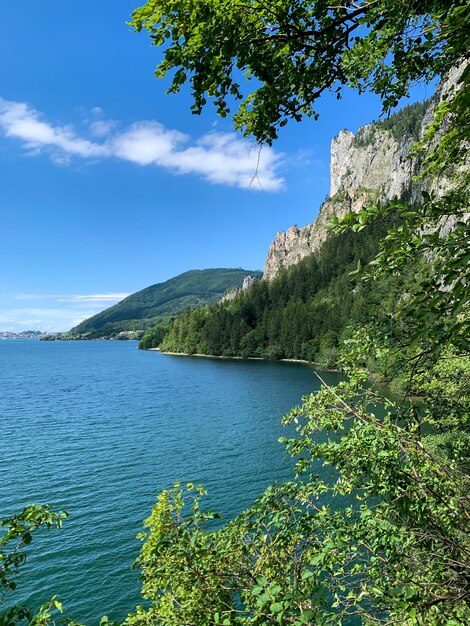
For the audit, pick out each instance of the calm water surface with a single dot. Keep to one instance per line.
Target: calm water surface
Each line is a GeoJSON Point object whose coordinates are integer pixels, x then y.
{"type": "Point", "coordinates": [99, 428]}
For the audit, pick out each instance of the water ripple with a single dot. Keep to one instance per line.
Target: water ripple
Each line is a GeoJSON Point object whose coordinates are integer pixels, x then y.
{"type": "Point", "coordinates": [99, 428]}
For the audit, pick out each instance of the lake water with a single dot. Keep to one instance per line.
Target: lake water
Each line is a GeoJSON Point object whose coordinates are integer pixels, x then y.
{"type": "Point", "coordinates": [100, 428]}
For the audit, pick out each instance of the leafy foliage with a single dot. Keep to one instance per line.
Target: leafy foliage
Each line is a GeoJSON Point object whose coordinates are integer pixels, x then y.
{"type": "Point", "coordinates": [18, 530]}
{"type": "Point", "coordinates": [446, 387]}
{"type": "Point", "coordinates": [294, 51]}
{"type": "Point", "coordinates": [383, 541]}
{"type": "Point", "coordinates": [437, 229]}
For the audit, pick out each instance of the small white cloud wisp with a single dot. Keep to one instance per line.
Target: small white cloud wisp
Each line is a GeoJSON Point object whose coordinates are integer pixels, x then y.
{"type": "Point", "coordinates": [219, 158]}
{"type": "Point", "coordinates": [96, 298]}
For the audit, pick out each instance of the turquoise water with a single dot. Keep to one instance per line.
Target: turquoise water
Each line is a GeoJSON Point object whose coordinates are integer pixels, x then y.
{"type": "Point", "coordinates": [99, 428]}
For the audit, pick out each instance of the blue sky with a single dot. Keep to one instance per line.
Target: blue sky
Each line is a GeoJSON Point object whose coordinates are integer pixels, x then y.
{"type": "Point", "coordinates": [107, 185]}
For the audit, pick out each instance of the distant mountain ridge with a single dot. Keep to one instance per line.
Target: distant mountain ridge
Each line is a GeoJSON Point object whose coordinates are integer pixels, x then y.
{"type": "Point", "coordinates": [157, 303]}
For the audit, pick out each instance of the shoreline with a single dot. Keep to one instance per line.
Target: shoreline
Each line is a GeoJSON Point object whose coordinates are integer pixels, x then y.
{"type": "Point", "coordinates": [371, 377]}
{"type": "Point", "coordinates": [247, 358]}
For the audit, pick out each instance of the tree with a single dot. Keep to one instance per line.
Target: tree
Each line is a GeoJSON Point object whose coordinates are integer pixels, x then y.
{"type": "Point", "coordinates": [295, 51]}
{"type": "Point", "coordinates": [396, 550]}
{"type": "Point", "coordinates": [383, 540]}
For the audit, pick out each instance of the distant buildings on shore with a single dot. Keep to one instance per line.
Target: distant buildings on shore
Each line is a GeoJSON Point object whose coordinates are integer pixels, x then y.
{"type": "Point", "coordinates": [24, 334]}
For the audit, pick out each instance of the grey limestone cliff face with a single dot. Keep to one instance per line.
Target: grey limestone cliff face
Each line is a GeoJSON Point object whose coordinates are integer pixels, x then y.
{"type": "Point", "coordinates": [366, 167]}
{"type": "Point", "coordinates": [232, 293]}
{"type": "Point", "coordinates": [371, 160]}
{"type": "Point", "coordinates": [293, 245]}
{"type": "Point", "coordinates": [376, 168]}
{"type": "Point", "coordinates": [373, 165]}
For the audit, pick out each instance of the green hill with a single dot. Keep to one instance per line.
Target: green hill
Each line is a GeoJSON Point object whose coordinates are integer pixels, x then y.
{"type": "Point", "coordinates": [157, 303]}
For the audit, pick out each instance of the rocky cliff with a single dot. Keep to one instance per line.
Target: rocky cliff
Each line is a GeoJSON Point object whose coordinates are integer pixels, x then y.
{"type": "Point", "coordinates": [232, 293]}
{"type": "Point", "coordinates": [367, 167]}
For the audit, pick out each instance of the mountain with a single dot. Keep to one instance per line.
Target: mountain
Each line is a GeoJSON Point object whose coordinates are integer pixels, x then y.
{"type": "Point", "coordinates": [159, 302]}
{"type": "Point", "coordinates": [310, 299]}
{"type": "Point", "coordinates": [374, 165]}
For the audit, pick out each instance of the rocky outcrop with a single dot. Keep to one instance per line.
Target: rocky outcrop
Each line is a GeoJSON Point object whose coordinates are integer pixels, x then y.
{"type": "Point", "coordinates": [371, 160]}
{"type": "Point", "coordinates": [369, 166]}
{"type": "Point", "coordinates": [293, 245]}
{"type": "Point", "coordinates": [373, 165]}
{"type": "Point", "coordinates": [232, 293]}
{"type": "Point", "coordinates": [360, 174]}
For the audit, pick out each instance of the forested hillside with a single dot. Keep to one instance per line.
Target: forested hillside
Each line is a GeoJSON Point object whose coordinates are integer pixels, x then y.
{"type": "Point", "coordinates": [309, 302]}
{"type": "Point", "coordinates": [157, 303]}
{"type": "Point", "coordinates": [303, 313]}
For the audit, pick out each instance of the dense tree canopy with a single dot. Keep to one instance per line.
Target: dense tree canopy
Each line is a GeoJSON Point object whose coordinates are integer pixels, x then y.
{"type": "Point", "coordinates": [295, 51]}
{"type": "Point", "coordinates": [156, 304]}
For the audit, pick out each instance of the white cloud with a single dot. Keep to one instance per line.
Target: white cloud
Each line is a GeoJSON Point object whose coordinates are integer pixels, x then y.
{"type": "Point", "coordinates": [146, 143]}
{"type": "Point", "coordinates": [220, 158]}
{"type": "Point", "coordinates": [20, 121]}
{"type": "Point", "coordinates": [223, 158]}
{"type": "Point", "coordinates": [102, 128]}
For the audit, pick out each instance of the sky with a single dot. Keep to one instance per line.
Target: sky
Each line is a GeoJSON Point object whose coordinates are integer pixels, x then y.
{"type": "Point", "coordinates": [108, 185]}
